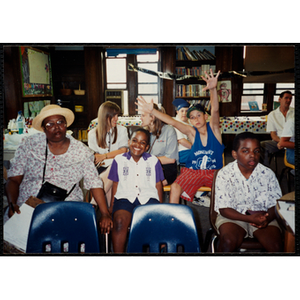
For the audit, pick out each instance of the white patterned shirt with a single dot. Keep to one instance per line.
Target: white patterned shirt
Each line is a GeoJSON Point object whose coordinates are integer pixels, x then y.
{"type": "Point", "coordinates": [233, 190]}
{"type": "Point", "coordinates": [61, 170]}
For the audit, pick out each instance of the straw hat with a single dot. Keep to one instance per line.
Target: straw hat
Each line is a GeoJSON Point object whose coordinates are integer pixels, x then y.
{"type": "Point", "coordinates": [51, 110]}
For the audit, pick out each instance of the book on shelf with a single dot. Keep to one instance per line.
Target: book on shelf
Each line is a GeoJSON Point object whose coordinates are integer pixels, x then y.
{"type": "Point", "coordinates": [197, 71]}
{"type": "Point", "coordinates": [191, 90]}
{"type": "Point", "coordinates": [184, 53]}
{"type": "Point", "coordinates": [209, 54]}
{"type": "Point", "coordinates": [204, 102]}
{"type": "Point", "coordinates": [188, 54]}
{"type": "Point", "coordinates": [180, 71]}
{"type": "Point", "coordinates": [194, 71]}
{"type": "Point", "coordinates": [181, 54]}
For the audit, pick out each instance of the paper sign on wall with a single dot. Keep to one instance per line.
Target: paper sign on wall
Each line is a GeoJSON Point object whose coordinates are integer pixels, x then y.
{"type": "Point", "coordinates": [38, 67]}
{"type": "Point", "coordinates": [224, 91]}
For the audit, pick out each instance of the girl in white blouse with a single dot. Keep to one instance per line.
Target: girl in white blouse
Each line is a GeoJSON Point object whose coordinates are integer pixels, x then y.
{"type": "Point", "coordinates": [107, 139]}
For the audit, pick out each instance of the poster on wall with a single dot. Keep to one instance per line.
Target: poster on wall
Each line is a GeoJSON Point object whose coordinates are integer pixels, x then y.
{"type": "Point", "coordinates": [38, 67]}
{"type": "Point", "coordinates": [224, 91]}
{"type": "Point", "coordinates": [36, 75]}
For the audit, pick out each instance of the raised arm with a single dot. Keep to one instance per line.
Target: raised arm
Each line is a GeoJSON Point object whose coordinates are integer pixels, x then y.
{"type": "Point", "coordinates": [211, 85]}
{"type": "Point", "coordinates": [145, 107]}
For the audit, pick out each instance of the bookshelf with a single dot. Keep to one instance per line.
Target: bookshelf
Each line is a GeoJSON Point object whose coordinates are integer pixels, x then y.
{"type": "Point", "coordinates": [191, 63]}
{"type": "Point", "coordinates": [69, 73]}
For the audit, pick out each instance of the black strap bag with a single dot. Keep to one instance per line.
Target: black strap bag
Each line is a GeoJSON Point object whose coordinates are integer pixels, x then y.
{"type": "Point", "coordinates": [50, 192]}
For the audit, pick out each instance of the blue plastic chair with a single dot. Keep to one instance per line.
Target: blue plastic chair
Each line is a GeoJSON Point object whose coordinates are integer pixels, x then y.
{"type": "Point", "coordinates": [63, 227]}
{"type": "Point", "coordinates": [165, 227]}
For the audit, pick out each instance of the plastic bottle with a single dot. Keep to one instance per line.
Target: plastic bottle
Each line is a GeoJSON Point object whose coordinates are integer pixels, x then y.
{"type": "Point", "coordinates": [20, 122]}
{"type": "Point", "coordinates": [9, 126]}
{"type": "Point", "coordinates": [14, 128]}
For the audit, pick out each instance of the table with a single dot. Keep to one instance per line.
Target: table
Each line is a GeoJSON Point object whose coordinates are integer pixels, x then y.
{"type": "Point", "coordinates": [8, 154]}
{"type": "Point", "coordinates": [287, 219]}
{"type": "Point", "coordinates": [235, 125]}
{"type": "Point", "coordinates": [123, 121]}
{"type": "Point", "coordinates": [228, 125]}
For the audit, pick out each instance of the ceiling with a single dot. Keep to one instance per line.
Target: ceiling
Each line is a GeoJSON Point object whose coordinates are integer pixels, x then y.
{"type": "Point", "coordinates": [269, 64]}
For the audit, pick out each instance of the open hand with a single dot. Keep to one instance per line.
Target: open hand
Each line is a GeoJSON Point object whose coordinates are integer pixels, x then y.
{"type": "Point", "coordinates": [211, 81]}
{"type": "Point", "coordinates": [143, 106]}
{"type": "Point", "coordinates": [99, 158]}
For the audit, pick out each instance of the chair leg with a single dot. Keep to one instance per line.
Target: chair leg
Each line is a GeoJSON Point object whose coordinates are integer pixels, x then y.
{"type": "Point", "coordinates": [286, 170]}
{"type": "Point", "coordinates": [208, 237]}
{"type": "Point", "coordinates": [282, 174]}
{"type": "Point", "coordinates": [288, 178]}
{"type": "Point", "coordinates": [213, 243]}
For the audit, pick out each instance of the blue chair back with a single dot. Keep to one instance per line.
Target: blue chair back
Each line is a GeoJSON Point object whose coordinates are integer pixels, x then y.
{"type": "Point", "coordinates": [164, 227]}
{"type": "Point", "coordinates": [65, 227]}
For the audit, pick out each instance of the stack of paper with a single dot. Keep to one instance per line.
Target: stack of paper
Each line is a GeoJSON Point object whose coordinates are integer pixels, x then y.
{"type": "Point", "coordinates": [288, 213]}
{"type": "Point", "coordinates": [17, 227]}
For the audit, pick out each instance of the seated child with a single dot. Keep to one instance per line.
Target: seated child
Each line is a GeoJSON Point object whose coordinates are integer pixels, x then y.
{"type": "Point", "coordinates": [137, 180]}
{"type": "Point", "coordinates": [245, 198]}
{"type": "Point", "coordinates": [182, 107]}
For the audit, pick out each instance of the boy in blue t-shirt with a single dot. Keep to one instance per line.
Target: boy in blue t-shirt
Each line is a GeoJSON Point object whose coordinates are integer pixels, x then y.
{"type": "Point", "coordinates": [137, 180]}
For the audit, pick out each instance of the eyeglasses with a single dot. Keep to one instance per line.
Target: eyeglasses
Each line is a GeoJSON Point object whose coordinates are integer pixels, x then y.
{"type": "Point", "coordinates": [60, 123]}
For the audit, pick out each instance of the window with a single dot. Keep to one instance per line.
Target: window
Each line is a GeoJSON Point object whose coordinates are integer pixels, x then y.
{"type": "Point", "coordinates": [252, 92]}
{"type": "Point", "coordinates": [116, 77]}
{"type": "Point", "coordinates": [116, 73]}
{"type": "Point", "coordinates": [144, 85]}
{"type": "Point", "coordinates": [281, 87]}
{"type": "Point", "coordinates": [148, 84]}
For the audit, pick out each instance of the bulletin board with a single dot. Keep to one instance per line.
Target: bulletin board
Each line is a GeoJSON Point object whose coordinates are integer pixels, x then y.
{"type": "Point", "coordinates": [36, 75]}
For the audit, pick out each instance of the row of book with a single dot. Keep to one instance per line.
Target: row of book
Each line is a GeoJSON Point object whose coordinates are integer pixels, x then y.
{"type": "Point", "coordinates": [183, 53]}
{"type": "Point", "coordinates": [191, 90]}
{"type": "Point", "coordinates": [195, 71]}
{"type": "Point", "coordinates": [203, 102]}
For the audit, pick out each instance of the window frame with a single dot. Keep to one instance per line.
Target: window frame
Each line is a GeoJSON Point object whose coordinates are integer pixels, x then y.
{"type": "Point", "coordinates": [279, 90]}
{"type": "Point", "coordinates": [132, 83]}
{"type": "Point", "coordinates": [263, 94]}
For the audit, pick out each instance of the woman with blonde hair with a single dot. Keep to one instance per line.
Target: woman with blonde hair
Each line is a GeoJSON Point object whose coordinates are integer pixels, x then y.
{"type": "Point", "coordinates": [107, 140]}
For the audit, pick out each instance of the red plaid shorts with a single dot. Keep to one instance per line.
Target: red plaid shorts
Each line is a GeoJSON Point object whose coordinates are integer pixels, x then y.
{"type": "Point", "coordinates": [190, 180]}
